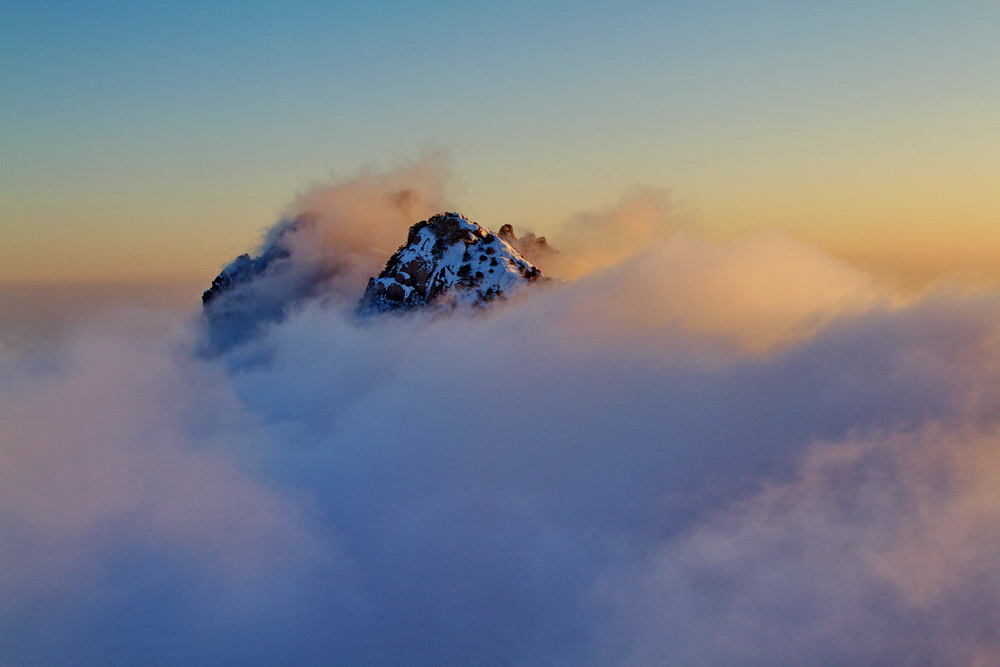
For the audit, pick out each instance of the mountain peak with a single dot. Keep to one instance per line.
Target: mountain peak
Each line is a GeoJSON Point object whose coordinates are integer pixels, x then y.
{"type": "Point", "coordinates": [448, 260]}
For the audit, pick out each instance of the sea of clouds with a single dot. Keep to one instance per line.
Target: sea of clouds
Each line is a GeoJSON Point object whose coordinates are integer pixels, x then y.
{"type": "Point", "coordinates": [682, 452]}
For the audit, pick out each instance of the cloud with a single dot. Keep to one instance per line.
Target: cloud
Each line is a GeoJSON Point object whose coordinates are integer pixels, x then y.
{"type": "Point", "coordinates": [129, 498]}
{"type": "Point", "coordinates": [755, 292]}
{"type": "Point", "coordinates": [878, 547]}
{"type": "Point", "coordinates": [695, 453]}
{"type": "Point", "coordinates": [595, 240]}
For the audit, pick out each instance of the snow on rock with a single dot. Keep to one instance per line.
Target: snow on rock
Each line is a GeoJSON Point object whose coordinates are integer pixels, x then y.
{"type": "Point", "coordinates": [450, 261]}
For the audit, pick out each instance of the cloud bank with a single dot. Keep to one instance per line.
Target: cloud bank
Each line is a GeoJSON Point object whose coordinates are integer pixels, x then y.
{"type": "Point", "coordinates": [690, 453]}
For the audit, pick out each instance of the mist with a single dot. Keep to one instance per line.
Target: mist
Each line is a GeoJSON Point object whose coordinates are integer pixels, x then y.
{"type": "Point", "coordinates": [680, 452]}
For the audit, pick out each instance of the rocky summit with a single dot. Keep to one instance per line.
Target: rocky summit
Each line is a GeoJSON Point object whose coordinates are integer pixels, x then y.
{"type": "Point", "coordinates": [449, 261]}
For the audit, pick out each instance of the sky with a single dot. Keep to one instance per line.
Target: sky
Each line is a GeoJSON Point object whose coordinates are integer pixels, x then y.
{"type": "Point", "coordinates": [154, 142]}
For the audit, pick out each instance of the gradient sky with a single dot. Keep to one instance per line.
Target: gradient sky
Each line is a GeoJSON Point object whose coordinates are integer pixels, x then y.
{"type": "Point", "coordinates": [153, 141]}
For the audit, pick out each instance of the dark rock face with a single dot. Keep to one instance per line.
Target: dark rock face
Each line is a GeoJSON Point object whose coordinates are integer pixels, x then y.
{"type": "Point", "coordinates": [240, 271]}
{"type": "Point", "coordinates": [533, 248]}
{"type": "Point", "coordinates": [448, 260]}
